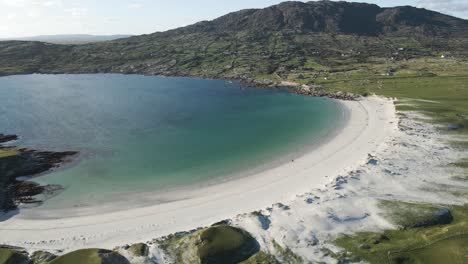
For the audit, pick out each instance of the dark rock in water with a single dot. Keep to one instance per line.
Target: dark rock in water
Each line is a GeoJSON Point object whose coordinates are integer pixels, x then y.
{"type": "Point", "coordinates": [42, 257]}
{"type": "Point", "coordinates": [226, 244]}
{"type": "Point", "coordinates": [7, 138]}
{"type": "Point", "coordinates": [442, 217]}
{"type": "Point", "coordinates": [26, 163]}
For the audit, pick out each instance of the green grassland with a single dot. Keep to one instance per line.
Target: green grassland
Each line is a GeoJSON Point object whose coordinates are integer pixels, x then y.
{"type": "Point", "coordinates": [216, 244]}
{"type": "Point", "coordinates": [90, 256]}
{"type": "Point", "coordinates": [445, 243]}
{"type": "Point", "coordinates": [7, 152]}
{"type": "Point", "coordinates": [222, 244]}
{"type": "Point", "coordinates": [438, 88]}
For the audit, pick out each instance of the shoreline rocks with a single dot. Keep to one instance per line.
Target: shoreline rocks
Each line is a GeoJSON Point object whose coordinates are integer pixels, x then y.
{"type": "Point", "coordinates": [26, 163]}
{"type": "Point", "coordinates": [308, 90]}
{"type": "Point", "coordinates": [6, 138]}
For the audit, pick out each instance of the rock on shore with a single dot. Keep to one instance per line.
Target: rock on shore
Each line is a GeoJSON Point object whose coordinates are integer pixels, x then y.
{"type": "Point", "coordinates": [24, 163]}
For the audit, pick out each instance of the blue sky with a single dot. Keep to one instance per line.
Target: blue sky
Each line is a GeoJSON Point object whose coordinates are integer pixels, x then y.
{"type": "Point", "coordinates": [103, 17]}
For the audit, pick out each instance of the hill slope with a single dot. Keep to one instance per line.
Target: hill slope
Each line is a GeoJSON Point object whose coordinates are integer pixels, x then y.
{"type": "Point", "coordinates": [69, 39]}
{"type": "Point", "coordinates": [272, 43]}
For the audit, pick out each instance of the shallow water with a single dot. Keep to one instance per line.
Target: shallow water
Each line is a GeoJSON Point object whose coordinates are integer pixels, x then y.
{"type": "Point", "coordinates": [139, 134]}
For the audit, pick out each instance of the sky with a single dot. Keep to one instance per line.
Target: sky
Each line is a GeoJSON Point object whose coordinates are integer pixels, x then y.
{"type": "Point", "coordinates": [19, 18]}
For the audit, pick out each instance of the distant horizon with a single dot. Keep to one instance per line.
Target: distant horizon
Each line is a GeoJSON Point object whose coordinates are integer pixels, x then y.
{"type": "Point", "coordinates": [32, 18]}
{"type": "Point", "coordinates": [66, 35]}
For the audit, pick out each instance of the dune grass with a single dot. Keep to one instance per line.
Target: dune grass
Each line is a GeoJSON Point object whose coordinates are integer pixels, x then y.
{"type": "Point", "coordinates": [399, 245]}
{"type": "Point", "coordinates": [438, 89]}
{"type": "Point", "coordinates": [452, 250]}
{"type": "Point", "coordinates": [89, 256]}
{"type": "Point", "coordinates": [5, 255]}
{"type": "Point", "coordinates": [12, 256]}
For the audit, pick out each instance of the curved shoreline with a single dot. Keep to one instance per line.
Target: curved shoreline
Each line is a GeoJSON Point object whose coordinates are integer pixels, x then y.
{"type": "Point", "coordinates": [370, 122]}
{"type": "Point", "coordinates": [146, 199]}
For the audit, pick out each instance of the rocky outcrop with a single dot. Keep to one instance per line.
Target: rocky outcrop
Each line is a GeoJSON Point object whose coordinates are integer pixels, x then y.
{"type": "Point", "coordinates": [329, 94]}
{"type": "Point", "coordinates": [442, 216]}
{"type": "Point", "coordinates": [139, 250]}
{"type": "Point", "coordinates": [13, 255]}
{"type": "Point", "coordinates": [26, 163]}
{"type": "Point", "coordinates": [309, 90]}
{"type": "Point", "coordinates": [42, 257]}
{"type": "Point", "coordinates": [6, 138]}
{"type": "Point", "coordinates": [225, 244]}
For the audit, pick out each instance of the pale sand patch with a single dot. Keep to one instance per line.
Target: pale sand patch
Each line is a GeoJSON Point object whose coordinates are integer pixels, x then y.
{"type": "Point", "coordinates": [369, 123]}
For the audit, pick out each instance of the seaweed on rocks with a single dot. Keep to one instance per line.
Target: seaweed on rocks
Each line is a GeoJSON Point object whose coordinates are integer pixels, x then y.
{"type": "Point", "coordinates": [26, 163]}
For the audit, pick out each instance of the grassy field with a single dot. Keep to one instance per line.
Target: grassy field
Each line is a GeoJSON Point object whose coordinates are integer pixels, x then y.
{"type": "Point", "coordinates": [450, 250]}
{"type": "Point", "coordinates": [437, 88]}
{"type": "Point", "coordinates": [8, 152]}
{"type": "Point", "coordinates": [90, 256]}
{"type": "Point", "coordinates": [397, 246]}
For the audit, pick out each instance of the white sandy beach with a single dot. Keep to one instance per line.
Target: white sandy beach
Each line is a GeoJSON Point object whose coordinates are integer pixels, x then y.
{"type": "Point", "coordinates": [370, 122]}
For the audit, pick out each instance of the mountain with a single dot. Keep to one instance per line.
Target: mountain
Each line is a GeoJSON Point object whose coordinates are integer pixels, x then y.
{"type": "Point", "coordinates": [69, 39]}
{"type": "Point", "coordinates": [270, 43]}
{"type": "Point", "coordinates": [335, 17]}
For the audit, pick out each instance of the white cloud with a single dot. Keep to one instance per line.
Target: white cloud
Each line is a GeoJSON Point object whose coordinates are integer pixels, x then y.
{"type": "Point", "coordinates": [52, 3]}
{"type": "Point", "coordinates": [30, 3]}
{"type": "Point", "coordinates": [446, 6]}
{"type": "Point", "coordinates": [11, 16]}
{"type": "Point", "coordinates": [77, 12]}
{"type": "Point", "coordinates": [135, 6]}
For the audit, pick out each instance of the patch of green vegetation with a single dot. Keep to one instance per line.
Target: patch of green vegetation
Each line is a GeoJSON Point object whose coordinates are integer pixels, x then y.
{"type": "Point", "coordinates": [181, 247]}
{"type": "Point", "coordinates": [12, 256]}
{"type": "Point", "coordinates": [452, 250]}
{"type": "Point", "coordinates": [443, 97]}
{"type": "Point", "coordinates": [286, 255]}
{"type": "Point", "coordinates": [461, 164]}
{"type": "Point", "coordinates": [8, 152]}
{"type": "Point", "coordinates": [261, 258]}
{"type": "Point", "coordinates": [91, 256]}
{"type": "Point", "coordinates": [311, 64]}
{"type": "Point", "coordinates": [226, 244]}
{"type": "Point", "coordinates": [140, 249]}
{"type": "Point", "coordinates": [216, 244]}
{"type": "Point", "coordinates": [42, 257]}
{"type": "Point", "coordinates": [375, 248]}
{"type": "Point", "coordinates": [6, 255]}
{"type": "Point", "coordinates": [407, 215]}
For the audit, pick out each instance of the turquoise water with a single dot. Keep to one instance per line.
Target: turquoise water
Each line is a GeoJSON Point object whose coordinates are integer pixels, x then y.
{"type": "Point", "coordinates": [140, 134]}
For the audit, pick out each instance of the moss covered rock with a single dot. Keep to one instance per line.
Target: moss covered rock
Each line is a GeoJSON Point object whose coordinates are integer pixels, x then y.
{"type": "Point", "coordinates": [139, 250]}
{"type": "Point", "coordinates": [225, 244]}
{"type": "Point", "coordinates": [261, 258]}
{"type": "Point", "coordinates": [409, 215]}
{"type": "Point", "coordinates": [10, 255]}
{"type": "Point", "coordinates": [91, 256]}
{"type": "Point", "coordinates": [42, 257]}
{"type": "Point", "coordinates": [217, 244]}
